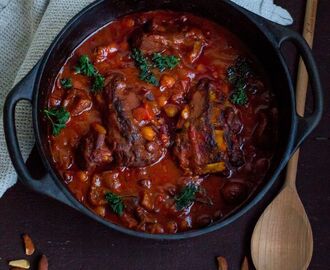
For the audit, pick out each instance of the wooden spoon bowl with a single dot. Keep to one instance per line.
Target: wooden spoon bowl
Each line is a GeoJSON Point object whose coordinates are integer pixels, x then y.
{"type": "Point", "coordinates": [282, 238]}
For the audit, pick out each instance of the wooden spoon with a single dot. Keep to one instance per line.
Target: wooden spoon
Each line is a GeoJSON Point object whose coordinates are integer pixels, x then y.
{"type": "Point", "coordinates": [282, 238]}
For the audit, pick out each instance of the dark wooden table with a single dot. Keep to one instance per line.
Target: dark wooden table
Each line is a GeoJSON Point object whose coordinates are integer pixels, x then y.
{"type": "Point", "coordinates": [72, 241]}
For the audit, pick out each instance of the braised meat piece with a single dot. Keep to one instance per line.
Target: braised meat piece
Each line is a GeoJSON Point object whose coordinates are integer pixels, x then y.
{"type": "Point", "coordinates": [209, 141]}
{"type": "Point", "coordinates": [196, 146]}
{"type": "Point", "coordinates": [176, 36]}
{"type": "Point", "coordinates": [134, 143]}
{"type": "Point", "coordinates": [93, 150]}
{"type": "Point", "coordinates": [77, 101]}
{"type": "Point", "coordinates": [232, 126]}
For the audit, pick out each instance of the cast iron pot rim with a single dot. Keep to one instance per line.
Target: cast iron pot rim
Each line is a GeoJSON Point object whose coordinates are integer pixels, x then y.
{"type": "Point", "coordinates": [73, 202]}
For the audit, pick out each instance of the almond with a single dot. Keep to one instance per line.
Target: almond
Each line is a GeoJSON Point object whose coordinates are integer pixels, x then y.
{"type": "Point", "coordinates": [23, 264]}
{"type": "Point", "coordinates": [222, 263]}
{"type": "Point", "coordinates": [28, 243]}
{"type": "Point", "coordinates": [43, 263]}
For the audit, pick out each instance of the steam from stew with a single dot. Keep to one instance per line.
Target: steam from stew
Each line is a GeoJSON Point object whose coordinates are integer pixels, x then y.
{"type": "Point", "coordinates": [161, 122]}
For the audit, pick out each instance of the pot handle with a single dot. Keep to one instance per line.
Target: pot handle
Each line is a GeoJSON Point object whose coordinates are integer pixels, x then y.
{"type": "Point", "coordinates": [306, 124]}
{"type": "Point", "coordinates": [24, 91]}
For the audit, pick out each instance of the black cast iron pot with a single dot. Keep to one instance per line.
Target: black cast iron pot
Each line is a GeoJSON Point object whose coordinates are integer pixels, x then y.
{"type": "Point", "coordinates": [263, 38]}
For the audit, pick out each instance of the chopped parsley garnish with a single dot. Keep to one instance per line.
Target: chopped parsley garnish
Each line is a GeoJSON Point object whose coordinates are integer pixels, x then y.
{"type": "Point", "coordinates": [116, 203]}
{"type": "Point", "coordinates": [66, 83]}
{"type": "Point", "coordinates": [231, 75]}
{"type": "Point", "coordinates": [98, 83]}
{"type": "Point", "coordinates": [85, 66]}
{"type": "Point", "coordinates": [163, 62]}
{"type": "Point", "coordinates": [239, 96]}
{"type": "Point", "coordinates": [238, 76]}
{"type": "Point", "coordinates": [186, 197]}
{"type": "Point", "coordinates": [58, 118]}
{"type": "Point", "coordinates": [140, 60]}
{"type": "Point", "coordinates": [142, 64]}
{"type": "Point", "coordinates": [149, 78]}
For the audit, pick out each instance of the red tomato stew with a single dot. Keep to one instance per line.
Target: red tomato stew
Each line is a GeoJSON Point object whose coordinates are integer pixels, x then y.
{"type": "Point", "coordinates": [162, 122]}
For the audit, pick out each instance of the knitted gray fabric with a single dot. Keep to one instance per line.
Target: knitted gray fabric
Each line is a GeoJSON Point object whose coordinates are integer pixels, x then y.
{"type": "Point", "coordinates": [27, 28]}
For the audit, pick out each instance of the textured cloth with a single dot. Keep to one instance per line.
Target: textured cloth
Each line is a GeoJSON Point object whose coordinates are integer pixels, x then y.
{"type": "Point", "coordinates": [267, 9]}
{"type": "Point", "coordinates": [27, 27]}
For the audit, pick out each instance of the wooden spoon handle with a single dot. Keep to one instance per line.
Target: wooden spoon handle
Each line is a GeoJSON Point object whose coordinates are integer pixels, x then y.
{"type": "Point", "coordinates": [302, 84]}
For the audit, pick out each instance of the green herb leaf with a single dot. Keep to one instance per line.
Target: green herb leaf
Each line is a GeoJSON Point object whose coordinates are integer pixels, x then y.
{"type": "Point", "coordinates": [231, 75]}
{"type": "Point", "coordinates": [85, 66]}
{"type": "Point", "coordinates": [66, 83]}
{"type": "Point", "coordinates": [186, 197]}
{"type": "Point", "coordinates": [58, 118]}
{"type": "Point", "coordinates": [238, 75]}
{"type": "Point", "coordinates": [142, 64]}
{"type": "Point", "coordinates": [98, 83]}
{"type": "Point", "coordinates": [239, 96]}
{"type": "Point", "coordinates": [163, 62]}
{"type": "Point", "coordinates": [149, 78]}
{"type": "Point", "coordinates": [115, 202]}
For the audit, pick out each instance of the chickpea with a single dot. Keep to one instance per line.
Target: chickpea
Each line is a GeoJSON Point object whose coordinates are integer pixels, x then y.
{"type": "Point", "coordinates": [148, 133]}
{"type": "Point", "coordinates": [162, 100]}
{"type": "Point", "coordinates": [172, 227]}
{"type": "Point", "coordinates": [171, 110]}
{"type": "Point", "coordinates": [82, 176]}
{"type": "Point", "coordinates": [100, 210]}
{"type": "Point", "coordinates": [212, 96]}
{"type": "Point", "coordinates": [167, 81]}
{"type": "Point", "coordinates": [185, 112]}
{"type": "Point", "coordinates": [186, 124]}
